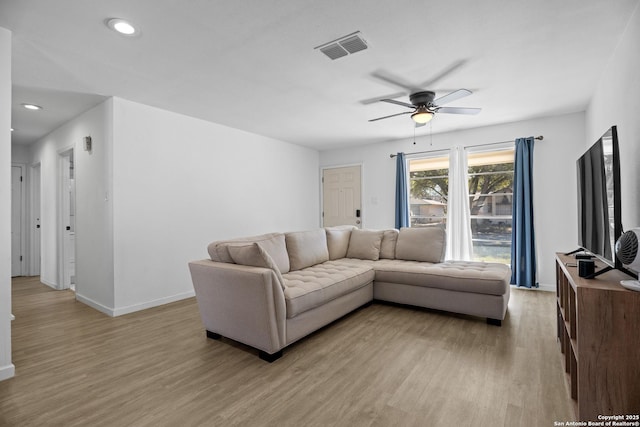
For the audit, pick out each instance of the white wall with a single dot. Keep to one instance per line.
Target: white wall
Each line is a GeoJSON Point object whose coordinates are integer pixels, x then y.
{"type": "Point", "coordinates": [554, 182]}
{"type": "Point", "coordinates": [180, 183]}
{"type": "Point", "coordinates": [94, 240]}
{"type": "Point", "coordinates": [156, 188]}
{"type": "Point", "coordinates": [616, 101]}
{"type": "Point", "coordinates": [20, 154]}
{"type": "Point", "coordinates": [7, 369]}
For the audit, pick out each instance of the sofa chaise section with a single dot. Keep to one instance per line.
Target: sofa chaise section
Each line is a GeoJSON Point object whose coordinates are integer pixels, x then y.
{"type": "Point", "coordinates": [473, 288]}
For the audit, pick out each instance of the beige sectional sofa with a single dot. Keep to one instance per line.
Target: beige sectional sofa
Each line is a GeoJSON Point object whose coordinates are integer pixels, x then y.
{"type": "Point", "coordinates": [271, 290]}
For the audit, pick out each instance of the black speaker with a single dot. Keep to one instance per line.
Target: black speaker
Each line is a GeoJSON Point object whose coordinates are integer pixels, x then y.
{"type": "Point", "coordinates": [586, 267]}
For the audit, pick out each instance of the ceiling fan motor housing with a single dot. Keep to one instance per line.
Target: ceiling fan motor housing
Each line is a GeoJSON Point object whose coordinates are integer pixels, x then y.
{"type": "Point", "coordinates": [422, 98]}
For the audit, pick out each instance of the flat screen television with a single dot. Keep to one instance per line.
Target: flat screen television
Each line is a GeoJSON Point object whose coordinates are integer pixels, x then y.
{"type": "Point", "coordinates": [599, 215]}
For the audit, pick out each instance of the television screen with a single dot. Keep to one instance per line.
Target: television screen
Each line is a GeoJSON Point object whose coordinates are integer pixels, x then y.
{"type": "Point", "coordinates": [599, 223]}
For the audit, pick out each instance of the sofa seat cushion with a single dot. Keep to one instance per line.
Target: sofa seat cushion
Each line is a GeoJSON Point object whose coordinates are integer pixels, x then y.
{"type": "Point", "coordinates": [462, 276]}
{"type": "Point", "coordinates": [314, 286]}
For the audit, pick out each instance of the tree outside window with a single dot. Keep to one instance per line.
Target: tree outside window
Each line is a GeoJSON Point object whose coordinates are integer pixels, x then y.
{"type": "Point", "coordinates": [490, 202]}
{"type": "Point", "coordinates": [429, 182]}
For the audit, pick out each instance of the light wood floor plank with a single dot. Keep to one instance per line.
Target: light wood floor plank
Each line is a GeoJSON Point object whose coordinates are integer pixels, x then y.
{"type": "Point", "coordinates": [383, 365]}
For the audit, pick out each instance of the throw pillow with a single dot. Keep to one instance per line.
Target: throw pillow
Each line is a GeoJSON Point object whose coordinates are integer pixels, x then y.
{"type": "Point", "coordinates": [338, 242]}
{"type": "Point", "coordinates": [388, 245]}
{"type": "Point", "coordinates": [306, 248]}
{"type": "Point", "coordinates": [272, 243]}
{"type": "Point", "coordinates": [254, 255]}
{"type": "Point", "coordinates": [365, 244]}
{"type": "Point", "coordinates": [425, 244]}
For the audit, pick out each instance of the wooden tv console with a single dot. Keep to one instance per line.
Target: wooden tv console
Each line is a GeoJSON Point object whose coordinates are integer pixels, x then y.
{"type": "Point", "coordinates": [599, 335]}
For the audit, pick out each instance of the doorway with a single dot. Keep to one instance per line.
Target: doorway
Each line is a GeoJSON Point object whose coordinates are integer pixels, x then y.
{"type": "Point", "coordinates": [67, 221]}
{"type": "Point", "coordinates": [341, 196]}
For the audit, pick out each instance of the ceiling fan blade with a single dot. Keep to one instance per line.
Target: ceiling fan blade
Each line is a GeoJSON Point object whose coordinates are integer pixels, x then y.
{"type": "Point", "coordinates": [393, 115]}
{"type": "Point", "coordinates": [380, 98]}
{"type": "Point", "coordinates": [404, 104]}
{"type": "Point", "coordinates": [450, 97]}
{"type": "Point", "coordinates": [386, 76]}
{"type": "Point", "coordinates": [459, 110]}
{"type": "Point", "coordinates": [444, 73]}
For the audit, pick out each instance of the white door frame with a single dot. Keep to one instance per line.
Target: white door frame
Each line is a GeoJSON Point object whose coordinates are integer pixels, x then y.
{"type": "Point", "coordinates": [34, 225]}
{"type": "Point", "coordinates": [63, 217]}
{"type": "Point", "coordinates": [348, 165]}
{"type": "Point", "coordinates": [23, 217]}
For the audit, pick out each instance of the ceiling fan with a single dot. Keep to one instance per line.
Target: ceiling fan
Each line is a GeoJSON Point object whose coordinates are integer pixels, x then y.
{"type": "Point", "coordinates": [424, 106]}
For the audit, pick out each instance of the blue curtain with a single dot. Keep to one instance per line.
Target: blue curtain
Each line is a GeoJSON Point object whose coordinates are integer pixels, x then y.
{"type": "Point", "coordinates": [523, 242]}
{"type": "Point", "coordinates": [402, 204]}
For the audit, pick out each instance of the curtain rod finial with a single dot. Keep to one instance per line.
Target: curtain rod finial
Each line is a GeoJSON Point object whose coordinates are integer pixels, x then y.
{"type": "Point", "coordinates": [540, 138]}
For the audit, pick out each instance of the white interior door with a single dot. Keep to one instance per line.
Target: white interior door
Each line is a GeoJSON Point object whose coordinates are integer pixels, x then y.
{"type": "Point", "coordinates": [16, 221]}
{"type": "Point", "coordinates": [35, 221]}
{"type": "Point", "coordinates": [341, 196]}
{"type": "Point", "coordinates": [67, 217]}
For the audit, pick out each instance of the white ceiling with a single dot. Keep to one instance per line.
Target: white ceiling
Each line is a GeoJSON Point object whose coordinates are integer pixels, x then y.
{"type": "Point", "coordinates": [252, 65]}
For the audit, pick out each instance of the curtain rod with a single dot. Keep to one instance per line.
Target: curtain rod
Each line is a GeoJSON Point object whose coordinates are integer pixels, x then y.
{"type": "Point", "coordinates": [539, 138]}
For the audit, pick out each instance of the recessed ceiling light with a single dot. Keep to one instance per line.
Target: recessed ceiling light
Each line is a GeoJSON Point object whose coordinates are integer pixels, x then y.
{"type": "Point", "coordinates": [122, 26]}
{"type": "Point", "coordinates": [12, 129]}
{"type": "Point", "coordinates": [32, 107]}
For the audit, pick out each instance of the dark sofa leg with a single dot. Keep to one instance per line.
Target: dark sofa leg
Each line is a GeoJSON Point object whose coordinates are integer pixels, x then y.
{"type": "Point", "coordinates": [213, 335]}
{"type": "Point", "coordinates": [270, 357]}
{"type": "Point", "coordinates": [495, 322]}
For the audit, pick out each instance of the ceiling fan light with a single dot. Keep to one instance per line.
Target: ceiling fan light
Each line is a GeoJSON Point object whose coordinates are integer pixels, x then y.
{"type": "Point", "coordinates": [422, 116]}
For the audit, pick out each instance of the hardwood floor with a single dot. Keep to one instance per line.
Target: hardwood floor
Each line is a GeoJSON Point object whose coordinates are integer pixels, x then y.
{"type": "Point", "coordinates": [379, 366]}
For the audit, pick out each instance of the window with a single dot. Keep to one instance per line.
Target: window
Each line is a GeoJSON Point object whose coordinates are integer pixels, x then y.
{"type": "Point", "coordinates": [490, 201]}
{"type": "Point", "coordinates": [429, 186]}
{"type": "Point", "coordinates": [490, 198]}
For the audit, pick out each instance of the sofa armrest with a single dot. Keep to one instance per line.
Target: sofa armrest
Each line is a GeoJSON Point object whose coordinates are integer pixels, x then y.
{"type": "Point", "coordinates": [240, 302]}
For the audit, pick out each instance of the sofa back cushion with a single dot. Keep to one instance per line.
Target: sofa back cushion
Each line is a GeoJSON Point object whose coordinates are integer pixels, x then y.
{"type": "Point", "coordinates": [338, 240]}
{"type": "Point", "coordinates": [388, 245]}
{"type": "Point", "coordinates": [365, 244]}
{"type": "Point", "coordinates": [272, 243]}
{"type": "Point", "coordinates": [306, 248]}
{"type": "Point", "coordinates": [421, 244]}
{"type": "Point", "coordinates": [253, 254]}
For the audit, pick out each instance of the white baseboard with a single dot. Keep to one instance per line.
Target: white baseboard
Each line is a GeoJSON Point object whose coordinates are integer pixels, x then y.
{"type": "Point", "coordinates": [93, 304]}
{"type": "Point", "coordinates": [546, 287]}
{"type": "Point", "coordinates": [49, 284]}
{"type": "Point", "coordinates": [541, 287]}
{"type": "Point", "coordinates": [113, 312]}
{"type": "Point", "coordinates": [7, 372]}
{"type": "Point", "coordinates": [154, 303]}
